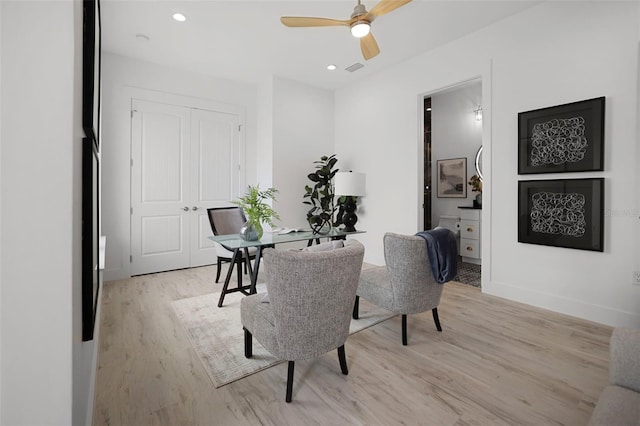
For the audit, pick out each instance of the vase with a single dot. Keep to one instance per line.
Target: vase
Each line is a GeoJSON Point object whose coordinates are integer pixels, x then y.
{"type": "Point", "coordinates": [479, 199]}
{"type": "Point", "coordinates": [251, 231]}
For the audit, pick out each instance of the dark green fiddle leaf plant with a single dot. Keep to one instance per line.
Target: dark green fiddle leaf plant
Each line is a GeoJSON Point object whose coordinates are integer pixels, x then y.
{"type": "Point", "coordinates": [320, 195]}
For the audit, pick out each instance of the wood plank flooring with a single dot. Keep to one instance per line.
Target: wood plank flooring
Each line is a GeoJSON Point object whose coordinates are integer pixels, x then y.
{"type": "Point", "coordinates": [496, 362]}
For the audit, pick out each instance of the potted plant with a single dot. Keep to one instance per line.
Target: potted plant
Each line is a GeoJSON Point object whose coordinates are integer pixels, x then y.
{"type": "Point", "coordinates": [254, 204]}
{"type": "Point", "coordinates": [320, 196]}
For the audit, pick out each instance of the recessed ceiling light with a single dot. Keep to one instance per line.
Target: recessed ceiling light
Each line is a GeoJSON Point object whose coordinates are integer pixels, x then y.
{"type": "Point", "coordinates": [142, 37]}
{"type": "Point", "coordinates": [331, 67]}
{"type": "Point", "coordinates": [179, 17]}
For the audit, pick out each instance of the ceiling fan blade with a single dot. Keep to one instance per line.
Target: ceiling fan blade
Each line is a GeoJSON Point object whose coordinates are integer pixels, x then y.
{"type": "Point", "coordinates": [369, 46]}
{"type": "Point", "coordinates": [384, 7]}
{"type": "Point", "coordinates": [299, 21]}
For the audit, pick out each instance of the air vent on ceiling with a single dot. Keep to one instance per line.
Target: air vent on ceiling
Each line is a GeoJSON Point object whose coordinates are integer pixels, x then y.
{"type": "Point", "coordinates": [354, 67]}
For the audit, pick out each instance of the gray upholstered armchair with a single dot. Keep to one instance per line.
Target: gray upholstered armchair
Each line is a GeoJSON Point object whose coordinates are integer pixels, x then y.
{"type": "Point", "coordinates": [619, 403]}
{"type": "Point", "coordinates": [406, 284]}
{"type": "Point", "coordinates": [310, 297]}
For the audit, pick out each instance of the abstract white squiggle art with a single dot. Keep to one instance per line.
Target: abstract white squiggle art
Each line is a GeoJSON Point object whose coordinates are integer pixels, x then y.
{"type": "Point", "coordinates": [558, 141]}
{"type": "Point", "coordinates": [558, 213]}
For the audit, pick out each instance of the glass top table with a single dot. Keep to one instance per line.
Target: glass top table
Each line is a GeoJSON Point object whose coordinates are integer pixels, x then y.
{"type": "Point", "coordinates": [235, 243]}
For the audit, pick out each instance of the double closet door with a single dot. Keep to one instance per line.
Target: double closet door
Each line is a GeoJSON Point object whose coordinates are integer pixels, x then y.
{"type": "Point", "coordinates": [183, 161]}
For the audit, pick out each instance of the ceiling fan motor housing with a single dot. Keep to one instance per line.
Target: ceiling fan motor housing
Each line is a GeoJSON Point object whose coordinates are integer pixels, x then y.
{"type": "Point", "coordinates": [359, 10]}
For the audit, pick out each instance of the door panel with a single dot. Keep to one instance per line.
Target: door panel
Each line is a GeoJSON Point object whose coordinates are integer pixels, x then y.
{"type": "Point", "coordinates": [160, 187]}
{"type": "Point", "coordinates": [162, 164]}
{"type": "Point", "coordinates": [214, 174]}
{"type": "Point", "coordinates": [161, 235]}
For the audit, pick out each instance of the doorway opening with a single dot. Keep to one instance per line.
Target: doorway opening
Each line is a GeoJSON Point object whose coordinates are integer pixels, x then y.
{"type": "Point", "coordinates": [452, 136]}
{"type": "Point", "coordinates": [427, 164]}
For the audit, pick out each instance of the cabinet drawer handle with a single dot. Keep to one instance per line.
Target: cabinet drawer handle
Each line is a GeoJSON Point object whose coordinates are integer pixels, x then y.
{"type": "Point", "coordinates": [469, 248]}
{"type": "Point", "coordinates": [469, 229]}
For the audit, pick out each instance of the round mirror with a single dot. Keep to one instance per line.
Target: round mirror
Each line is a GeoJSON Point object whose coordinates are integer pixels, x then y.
{"type": "Point", "coordinates": [479, 163]}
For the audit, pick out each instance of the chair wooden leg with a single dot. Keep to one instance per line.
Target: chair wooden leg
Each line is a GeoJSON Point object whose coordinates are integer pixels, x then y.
{"type": "Point", "coordinates": [248, 343]}
{"type": "Point", "coordinates": [218, 271]}
{"type": "Point", "coordinates": [290, 380]}
{"type": "Point", "coordinates": [343, 360]}
{"type": "Point", "coordinates": [404, 330]}
{"type": "Point", "coordinates": [356, 307]}
{"type": "Point", "coordinates": [436, 319]}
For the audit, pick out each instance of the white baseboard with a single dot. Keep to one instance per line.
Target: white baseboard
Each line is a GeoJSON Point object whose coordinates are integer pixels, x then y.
{"type": "Point", "coordinates": [577, 308]}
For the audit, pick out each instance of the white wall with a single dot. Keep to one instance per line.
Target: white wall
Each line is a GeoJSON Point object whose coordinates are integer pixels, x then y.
{"type": "Point", "coordinates": [120, 75]}
{"type": "Point", "coordinates": [587, 49]}
{"type": "Point", "coordinates": [455, 134]}
{"type": "Point", "coordinates": [1, 157]}
{"type": "Point", "coordinates": [636, 212]}
{"type": "Point", "coordinates": [41, 209]}
{"type": "Point", "coordinates": [264, 143]}
{"type": "Point", "coordinates": [85, 354]}
{"type": "Point", "coordinates": [302, 133]}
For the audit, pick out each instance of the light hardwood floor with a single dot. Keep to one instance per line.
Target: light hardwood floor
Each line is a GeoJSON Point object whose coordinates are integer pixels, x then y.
{"type": "Point", "coordinates": [496, 362]}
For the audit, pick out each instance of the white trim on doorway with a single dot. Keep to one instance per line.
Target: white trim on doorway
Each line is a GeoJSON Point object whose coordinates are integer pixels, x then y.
{"type": "Point", "coordinates": [485, 79]}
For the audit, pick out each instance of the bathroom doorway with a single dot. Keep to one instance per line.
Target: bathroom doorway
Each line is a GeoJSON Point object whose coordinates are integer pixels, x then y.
{"type": "Point", "coordinates": [452, 131]}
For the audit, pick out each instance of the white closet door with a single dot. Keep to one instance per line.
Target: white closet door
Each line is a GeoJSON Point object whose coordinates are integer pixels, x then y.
{"type": "Point", "coordinates": [183, 161]}
{"type": "Point", "coordinates": [160, 187]}
{"type": "Point", "coordinates": [214, 175]}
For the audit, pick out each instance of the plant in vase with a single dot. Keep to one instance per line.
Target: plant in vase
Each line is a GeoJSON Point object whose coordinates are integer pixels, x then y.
{"type": "Point", "coordinates": [476, 186]}
{"type": "Point", "coordinates": [254, 204]}
{"type": "Point", "coordinates": [320, 196]}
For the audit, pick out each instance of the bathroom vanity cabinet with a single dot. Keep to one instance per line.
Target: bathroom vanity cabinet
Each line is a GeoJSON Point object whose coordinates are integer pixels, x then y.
{"type": "Point", "coordinates": [470, 234]}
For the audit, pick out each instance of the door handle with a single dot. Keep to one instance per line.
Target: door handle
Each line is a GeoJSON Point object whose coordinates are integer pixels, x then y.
{"type": "Point", "coordinates": [194, 208]}
{"type": "Point", "coordinates": [185, 208]}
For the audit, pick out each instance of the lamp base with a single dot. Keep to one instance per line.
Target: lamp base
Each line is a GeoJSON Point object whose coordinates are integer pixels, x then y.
{"type": "Point", "coordinates": [349, 217]}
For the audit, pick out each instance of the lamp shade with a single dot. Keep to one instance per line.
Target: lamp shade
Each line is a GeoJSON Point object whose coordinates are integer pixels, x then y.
{"type": "Point", "coordinates": [350, 183]}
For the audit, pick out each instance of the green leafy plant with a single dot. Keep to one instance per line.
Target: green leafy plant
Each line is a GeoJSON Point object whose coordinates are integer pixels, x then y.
{"type": "Point", "coordinates": [320, 196]}
{"type": "Point", "coordinates": [254, 204]}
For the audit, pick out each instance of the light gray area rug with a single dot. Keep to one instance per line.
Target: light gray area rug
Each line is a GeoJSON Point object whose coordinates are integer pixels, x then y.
{"type": "Point", "coordinates": [216, 334]}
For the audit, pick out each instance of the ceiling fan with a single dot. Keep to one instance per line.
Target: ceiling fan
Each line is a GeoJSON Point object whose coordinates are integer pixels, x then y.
{"type": "Point", "coordinates": [360, 23]}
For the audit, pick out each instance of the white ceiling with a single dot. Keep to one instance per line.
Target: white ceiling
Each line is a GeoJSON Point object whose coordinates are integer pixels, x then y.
{"type": "Point", "coordinates": [244, 40]}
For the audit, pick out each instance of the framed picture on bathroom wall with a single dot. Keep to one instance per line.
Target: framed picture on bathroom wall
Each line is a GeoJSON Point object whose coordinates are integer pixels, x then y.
{"type": "Point", "coordinates": [451, 177]}
{"type": "Point", "coordinates": [562, 213]}
{"type": "Point", "coordinates": [562, 138]}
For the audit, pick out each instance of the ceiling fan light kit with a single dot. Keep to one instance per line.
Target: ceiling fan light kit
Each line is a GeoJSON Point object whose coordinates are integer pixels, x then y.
{"type": "Point", "coordinates": [360, 29]}
{"type": "Point", "coordinates": [360, 23]}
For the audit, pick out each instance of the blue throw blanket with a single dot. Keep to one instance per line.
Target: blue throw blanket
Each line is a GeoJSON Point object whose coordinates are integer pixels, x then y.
{"type": "Point", "coordinates": [442, 249]}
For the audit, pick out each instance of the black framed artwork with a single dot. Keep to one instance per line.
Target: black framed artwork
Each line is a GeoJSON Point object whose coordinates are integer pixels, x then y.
{"type": "Point", "coordinates": [91, 70]}
{"type": "Point", "coordinates": [91, 93]}
{"type": "Point", "coordinates": [562, 213]}
{"type": "Point", "coordinates": [452, 178]}
{"type": "Point", "coordinates": [563, 138]}
{"type": "Point", "coordinates": [90, 236]}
